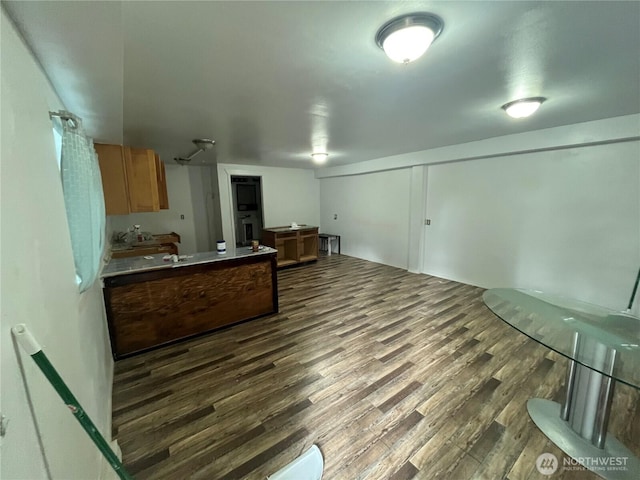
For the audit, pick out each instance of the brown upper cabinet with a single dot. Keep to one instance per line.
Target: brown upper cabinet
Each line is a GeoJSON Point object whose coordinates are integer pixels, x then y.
{"type": "Point", "coordinates": [114, 178]}
{"type": "Point", "coordinates": [133, 179]}
{"type": "Point", "coordinates": [142, 179]}
{"type": "Point", "coordinates": [162, 184]}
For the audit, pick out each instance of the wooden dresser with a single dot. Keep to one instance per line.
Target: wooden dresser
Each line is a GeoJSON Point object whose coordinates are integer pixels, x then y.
{"type": "Point", "coordinates": [294, 245]}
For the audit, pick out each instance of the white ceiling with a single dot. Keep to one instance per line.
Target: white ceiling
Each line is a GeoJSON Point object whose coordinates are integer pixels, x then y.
{"type": "Point", "coordinates": [269, 81]}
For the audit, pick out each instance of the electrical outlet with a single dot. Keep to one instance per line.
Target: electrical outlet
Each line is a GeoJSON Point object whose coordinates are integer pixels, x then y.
{"type": "Point", "coordinates": [335, 216]}
{"type": "Point", "coordinates": [181, 217]}
{"type": "Point", "coordinates": [427, 221]}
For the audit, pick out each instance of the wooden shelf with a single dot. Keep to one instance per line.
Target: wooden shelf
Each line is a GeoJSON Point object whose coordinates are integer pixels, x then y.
{"type": "Point", "coordinates": [309, 247]}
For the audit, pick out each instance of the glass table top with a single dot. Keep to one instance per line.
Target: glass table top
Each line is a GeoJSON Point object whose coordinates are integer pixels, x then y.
{"type": "Point", "coordinates": [554, 320]}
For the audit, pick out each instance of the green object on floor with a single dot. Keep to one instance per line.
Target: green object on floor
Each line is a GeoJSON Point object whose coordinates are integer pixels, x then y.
{"type": "Point", "coordinates": [31, 346]}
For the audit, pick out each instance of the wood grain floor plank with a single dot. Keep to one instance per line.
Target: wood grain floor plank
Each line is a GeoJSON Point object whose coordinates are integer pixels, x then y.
{"type": "Point", "coordinates": [257, 460]}
{"type": "Point", "coordinates": [393, 375]}
{"type": "Point", "coordinates": [406, 472]}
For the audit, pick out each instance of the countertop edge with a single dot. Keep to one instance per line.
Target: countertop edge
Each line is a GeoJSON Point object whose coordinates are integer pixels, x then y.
{"type": "Point", "coordinates": [188, 263]}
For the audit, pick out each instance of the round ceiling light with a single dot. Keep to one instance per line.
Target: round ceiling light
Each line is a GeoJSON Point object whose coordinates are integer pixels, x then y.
{"type": "Point", "coordinates": [319, 157]}
{"type": "Point", "coordinates": [203, 143]}
{"type": "Point", "coordinates": [406, 38]}
{"type": "Point", "coordinates": [524, 107]}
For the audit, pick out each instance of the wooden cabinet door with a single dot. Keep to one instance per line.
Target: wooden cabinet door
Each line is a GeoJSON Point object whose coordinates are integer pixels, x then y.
{"type": "Point", "coordinates": [114, 178]}
{"type": "Point", "coordinates": [162, 184]}
{"type": "Point", "coordinates": [142, 179]}
{"type": "Point", "coordinates": [308, 245]}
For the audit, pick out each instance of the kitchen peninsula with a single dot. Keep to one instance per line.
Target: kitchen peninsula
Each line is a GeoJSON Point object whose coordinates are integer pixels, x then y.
{"type": "Point", "coordinates": [152, 302]}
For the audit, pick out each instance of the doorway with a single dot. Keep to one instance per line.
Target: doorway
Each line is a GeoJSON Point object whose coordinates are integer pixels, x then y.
{"type": "Point", "coordinates": [247, 208]}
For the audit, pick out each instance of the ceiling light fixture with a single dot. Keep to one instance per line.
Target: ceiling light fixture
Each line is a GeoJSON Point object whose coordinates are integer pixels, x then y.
{"type": "Point", "coordinates": [319, 157]}
{"type": "Point", "coordinates": [406, 38]}
{"type": "Point", "coordinates": [202, 144]}
{"type": "Point", "coordinates": [524, 107]}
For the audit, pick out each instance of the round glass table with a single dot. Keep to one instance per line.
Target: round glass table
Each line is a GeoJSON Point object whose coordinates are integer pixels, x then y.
{"type": "Point", "coordinates": [603, 347]}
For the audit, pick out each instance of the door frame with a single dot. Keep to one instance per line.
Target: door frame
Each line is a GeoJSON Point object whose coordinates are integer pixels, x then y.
{"type": "Point", "coordinates": [230, 224]}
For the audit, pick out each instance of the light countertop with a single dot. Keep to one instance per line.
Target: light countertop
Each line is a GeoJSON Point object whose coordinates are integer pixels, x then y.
{"type": "Point", "coordinates": [123, 266]}
{"type": "Point", "coordinates": [289, 229]}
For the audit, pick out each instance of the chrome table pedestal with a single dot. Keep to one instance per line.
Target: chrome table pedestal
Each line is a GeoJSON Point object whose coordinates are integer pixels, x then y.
{"type": "Point", "coordinates": [579, 426]}
{"type": "Point", "coordinates": [602, 347]}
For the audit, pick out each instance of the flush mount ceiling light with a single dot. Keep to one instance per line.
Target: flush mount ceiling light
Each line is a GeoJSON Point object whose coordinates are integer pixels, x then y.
{"type": "Point", "coordinates": [201, 144]}
{"type": "Point", "coordinates": [204, 143]}
{"type": "Point", "coordinates": [406, 38]}
{"type": "Point", "coordinates": [524, 107]}
{"type": "Point", "coordinates": [319, 157]}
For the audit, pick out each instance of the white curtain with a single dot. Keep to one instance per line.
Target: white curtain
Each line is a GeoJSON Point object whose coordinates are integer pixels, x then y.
{"type": "Point", "coordinates": [84, 201]}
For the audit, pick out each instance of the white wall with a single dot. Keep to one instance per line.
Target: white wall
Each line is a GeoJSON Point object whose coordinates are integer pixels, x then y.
{"type": "Point", "coordinates": [39, 289]}
{"type": "Point", "coordinates": [556, 209]}
{"type": "Point", "coordinates": [200, 181]}
{"type": "Point", "coordinates": [165, 221]}
{"type": "Point", "coordinates": [565, 221]}
{"type": "Point", "coordinates": [205, 197]}
{"type": "Point", "coordinates": [373, 214]}
{"type": "Point", "coordinates": [288, 195]}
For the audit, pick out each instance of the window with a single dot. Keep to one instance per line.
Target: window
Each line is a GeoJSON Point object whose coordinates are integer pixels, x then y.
{"type": "Point", "coordinates": [83, 199]}
{"type": "Point", "coordinates": [57, 139]}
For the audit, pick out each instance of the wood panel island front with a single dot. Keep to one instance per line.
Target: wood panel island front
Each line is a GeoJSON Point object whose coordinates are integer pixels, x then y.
{"type": "Point", "coordinates": [152, 302]}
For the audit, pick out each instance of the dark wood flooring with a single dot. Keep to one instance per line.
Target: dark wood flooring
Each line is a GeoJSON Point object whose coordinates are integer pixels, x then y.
{"type": "Point", "coordinates": [393, 375]}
